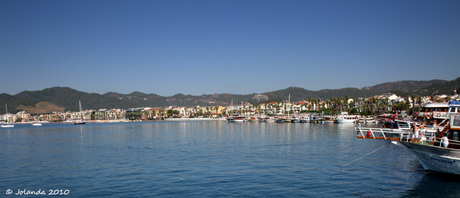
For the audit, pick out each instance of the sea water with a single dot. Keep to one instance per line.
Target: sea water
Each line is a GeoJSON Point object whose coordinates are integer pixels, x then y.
{"type": "Point", "coordinates": [209, 159]}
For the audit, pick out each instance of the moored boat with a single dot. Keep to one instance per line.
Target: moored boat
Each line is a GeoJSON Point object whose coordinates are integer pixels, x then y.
{"type": "Point", "coordinates": [439, 151]}
{"type": "Point", "coordinates": [8, 124]}
{"type": "Point", "coordinates": [236, 118]}
{"type": "Point", "coordinates": [345, 118]}
{"type": "Point", "coordinates": [284, 120]}
{"type": "Point", "coordinates": [37, 124]}
{"type": "Point", "coordinates": [328, 119]}
{"type": "Point", "coordinates": [80, 121]}
{"type": "Point", "coordinates": [442, 154]}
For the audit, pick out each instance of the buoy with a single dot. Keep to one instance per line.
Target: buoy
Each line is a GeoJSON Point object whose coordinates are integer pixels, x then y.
{"type": "Point", "coordinates": [368, 133]}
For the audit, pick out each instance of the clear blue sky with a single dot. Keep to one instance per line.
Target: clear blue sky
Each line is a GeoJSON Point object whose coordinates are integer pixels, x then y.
{"type": "Point", "coordinates": [219, 46]}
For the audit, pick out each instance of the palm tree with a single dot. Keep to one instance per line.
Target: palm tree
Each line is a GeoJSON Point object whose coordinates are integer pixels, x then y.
{"type": "Point", "coordinates": [347, 97]}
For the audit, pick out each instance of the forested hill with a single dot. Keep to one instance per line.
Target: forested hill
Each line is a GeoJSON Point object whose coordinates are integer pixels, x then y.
{"type": "Point", "coordinates": [67, 98]}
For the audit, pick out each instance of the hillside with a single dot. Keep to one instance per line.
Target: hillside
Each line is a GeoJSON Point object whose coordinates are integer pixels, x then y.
{"type": "Point", "coordinates": [13, 102]}
{"type": "Point", "coordinates": [406, 86]}
{"type": "Point", "coordinates": [68, 98]}
{"type": "Point", "coordinates": [445, 87]}
{"type": "Point", "coordinates": [41, 107]}
{"type": "Point", "coordinates": [64, 98]}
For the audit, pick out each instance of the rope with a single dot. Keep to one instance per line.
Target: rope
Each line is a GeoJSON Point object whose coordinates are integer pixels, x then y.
{"type": "Point", "coordinates": [362, 156]}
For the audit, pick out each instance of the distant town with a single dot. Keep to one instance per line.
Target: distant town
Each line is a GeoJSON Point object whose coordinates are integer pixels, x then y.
{"type": "Point", "coordinates": [380, 104]}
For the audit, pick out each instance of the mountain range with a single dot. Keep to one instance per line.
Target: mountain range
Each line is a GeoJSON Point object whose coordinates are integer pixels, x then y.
{"type": "Point", "coordinates": [64, 98]}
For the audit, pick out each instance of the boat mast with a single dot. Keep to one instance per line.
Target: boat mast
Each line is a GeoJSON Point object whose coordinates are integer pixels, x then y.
{"type": "Point", "coordinates": [79, 104]}
{"type": "Point", "coordinates": [231, 110]}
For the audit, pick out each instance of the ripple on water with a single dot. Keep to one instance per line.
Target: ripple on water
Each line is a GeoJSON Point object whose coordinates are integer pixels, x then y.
{"type": "Point", "coordinates": [211, 159]}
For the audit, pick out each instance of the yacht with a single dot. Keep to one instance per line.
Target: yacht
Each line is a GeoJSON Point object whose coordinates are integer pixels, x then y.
{"type": "Point", "coordinates": [7, 125]}
{"type": "Point", "coordinates": [236, 118]}
{"type": "Point", "coordinates": [345, 118]}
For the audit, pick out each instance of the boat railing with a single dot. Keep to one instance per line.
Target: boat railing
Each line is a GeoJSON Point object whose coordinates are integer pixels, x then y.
{"type": "Point", "coordinates": [393, 134]}
{"type": "Point", "coordinates": [380, 133]}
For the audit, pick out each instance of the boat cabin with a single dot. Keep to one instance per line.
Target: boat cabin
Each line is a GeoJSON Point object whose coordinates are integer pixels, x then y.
{"type": "Point", "coordinates": [433, 113]}
{"type": "Point", "coordinates": [452, 132]}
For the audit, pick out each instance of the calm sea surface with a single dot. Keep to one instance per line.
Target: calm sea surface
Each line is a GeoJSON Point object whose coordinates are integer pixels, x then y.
{"type": "Point", "coordinates": [210, 159]}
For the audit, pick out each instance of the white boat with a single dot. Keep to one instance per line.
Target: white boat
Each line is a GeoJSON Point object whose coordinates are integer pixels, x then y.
{"type": "Point", "coordinates": [7, 125]}
{"type": "Point", "coordinates": [436, 158]}
{"type": "Point", "coordinates": [236, 118]}
{"type": "Point", "coordinates": [80, 121]}
{"type": "Point", "coordinates": [345, 118]}
{"type": "Point", "coordinates": [37, 124]}
{"type": "Point", "coordinates": [367, 120]}
{"type": "Point", "coordinates": [439, 152]}
{"type": "Point", "coordinates": [269, 119]}
{"type": "Point", "coordinates": [443, 154]}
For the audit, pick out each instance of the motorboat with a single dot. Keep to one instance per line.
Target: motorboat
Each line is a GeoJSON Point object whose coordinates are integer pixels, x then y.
{"type": "Point", "coordinates": [328, 119]}
{"type": "Point", "coordinates": [436, 150]}
{"type": "Point", "coordinates": [344, 117]}
{"type": "Point", "coordinates": [442, 154]}
{"type": "Point", "coordinates": [236, 118]}
{"type": "Point", "coordinates": [7, 125]}
{"type": "Point", "coordinates": [37, 124]}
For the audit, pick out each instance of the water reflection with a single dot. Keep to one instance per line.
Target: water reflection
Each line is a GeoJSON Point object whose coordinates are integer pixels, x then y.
{"type": "Point", "coordinates": [435, 185]}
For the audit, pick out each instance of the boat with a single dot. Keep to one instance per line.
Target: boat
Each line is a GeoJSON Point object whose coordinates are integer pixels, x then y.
{"type": "Point", "coordinates": [345, 118]}
{"type": "Point", "coordinates": [236, 118]}
{"type": "Point", "coordinates": [80, 121]}
{"type": "Point", "coordinates": [439, 152]}
{"type": "Point", "coordinates": [367, 120]}
{"type": "Point", "coordinates": [315, 118]}
{"type": "Point", "coordinates": [36, 123]}
{"type": "Point", "coordinates": [8, 124]}
{"type": "Point", "coordinates": [305, 119]}
{"type": "Point", "coordinates": [252, 119]}
{"type": "Point", "coordinates": [442, 154]}
{"type": "Point", "coordinates": [328, 119]}
{"type": "Point", "coordinates": [284, 120]}
{"type": "Point", "coordinates": [295, 120]}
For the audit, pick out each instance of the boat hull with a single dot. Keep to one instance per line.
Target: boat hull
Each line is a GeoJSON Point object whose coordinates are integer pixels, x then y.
{"type": "Point", "coordinates": [433, 158]}
{"type": "Point", "coordinates": [234, 120]}
{"type": "Point", "coordinates": [346, 120]}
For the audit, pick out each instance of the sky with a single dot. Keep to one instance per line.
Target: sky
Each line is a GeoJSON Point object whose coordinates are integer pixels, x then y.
{"type": "Point", "coordinates": [217, 46]}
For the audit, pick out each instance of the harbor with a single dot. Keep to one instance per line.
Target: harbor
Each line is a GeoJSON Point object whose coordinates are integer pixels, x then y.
{"type": "Point", "coordinates": [211, 158]}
